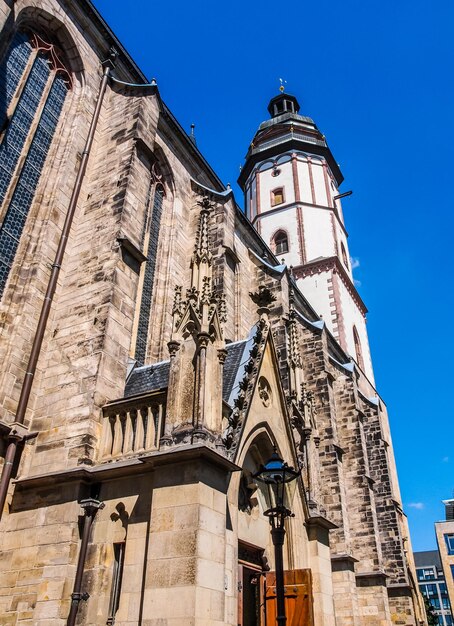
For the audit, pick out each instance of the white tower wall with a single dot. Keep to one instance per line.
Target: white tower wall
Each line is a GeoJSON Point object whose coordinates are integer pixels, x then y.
{"type": "Point", "coordinates": [311, 218]}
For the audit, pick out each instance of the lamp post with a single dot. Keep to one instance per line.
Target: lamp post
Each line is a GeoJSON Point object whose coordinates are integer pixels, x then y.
{"type": "Point", "coordinates": [276, 475]}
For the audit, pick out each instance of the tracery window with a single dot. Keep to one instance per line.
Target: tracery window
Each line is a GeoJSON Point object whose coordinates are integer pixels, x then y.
{"type": "Point", "coordinates": [280, 242]}
{"type": "Point", "coordinates": [277, 196]}
{"type": "Point", "coordinates": [33, 87]}
{"type": "Point", "coordinates": [150, 244]}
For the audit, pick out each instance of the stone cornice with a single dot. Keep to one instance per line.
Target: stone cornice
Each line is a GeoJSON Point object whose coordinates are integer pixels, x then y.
{"type": "Point", "coordinates": [320, 520]}
{"type": "Point", "coordinates": [326, 264]}
{"type": "Point", "coordinates": [130, 467]}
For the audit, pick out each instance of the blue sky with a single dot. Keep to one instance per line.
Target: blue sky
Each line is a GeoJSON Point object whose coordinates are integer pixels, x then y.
{"type": "Point", "coordinates": [377, 77]}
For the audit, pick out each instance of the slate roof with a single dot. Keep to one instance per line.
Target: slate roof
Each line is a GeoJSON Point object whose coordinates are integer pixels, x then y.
{"type": "Point", "coordinates": [232, 363]}
{"type": "Point", "coordinates": [149, 378]}
{"type": "Point", "coordinates": [428, 557]}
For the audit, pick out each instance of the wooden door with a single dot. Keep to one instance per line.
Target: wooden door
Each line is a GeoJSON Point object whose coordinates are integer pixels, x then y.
{"type": "Point", "coordinates": [298, 598]}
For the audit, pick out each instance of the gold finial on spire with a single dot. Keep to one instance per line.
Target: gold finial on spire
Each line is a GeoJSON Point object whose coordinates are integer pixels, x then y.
{"type": "Point", "coordinates": [282, 88]}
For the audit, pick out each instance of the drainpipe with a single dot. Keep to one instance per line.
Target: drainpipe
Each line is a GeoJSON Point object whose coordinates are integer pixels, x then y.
{"type": "Point", "coordinates": [90, 507]}
{"type": "Point", "coordinates": [11, 451]}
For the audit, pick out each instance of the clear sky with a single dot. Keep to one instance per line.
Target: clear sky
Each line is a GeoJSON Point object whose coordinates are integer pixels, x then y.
{"type": "Point", "coordinates": [377, 77]}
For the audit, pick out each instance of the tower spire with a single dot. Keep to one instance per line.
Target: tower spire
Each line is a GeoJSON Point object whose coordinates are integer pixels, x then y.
{"type": "Point", "coordinates": [291, 183]}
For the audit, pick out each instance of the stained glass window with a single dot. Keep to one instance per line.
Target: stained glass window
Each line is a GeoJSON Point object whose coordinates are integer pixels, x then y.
{"type": "Point", "coordinates": [148, 280]}
{"type": "Point", "coordinates": [11, 71]}
{"type": "Point", "coordinates": [30, 74]}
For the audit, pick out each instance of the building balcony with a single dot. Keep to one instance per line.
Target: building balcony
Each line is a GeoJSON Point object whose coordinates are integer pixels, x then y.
{"type": "Point", "coordinates": [132, 426]}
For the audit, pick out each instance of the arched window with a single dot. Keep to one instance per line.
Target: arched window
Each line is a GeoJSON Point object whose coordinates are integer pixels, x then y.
{"type": "Point", "coordinates": [280, 241]}
{"type": "Point", "coordinates": [344, 254]}
{"type": "Point", "coordinates": [277, 196]}
{"type": "Point", "coordinates": [358, 350]}
{"type": "Point", "coordinates": [33, 86]}
{"type": "Point", "coordinates": [150, 244]}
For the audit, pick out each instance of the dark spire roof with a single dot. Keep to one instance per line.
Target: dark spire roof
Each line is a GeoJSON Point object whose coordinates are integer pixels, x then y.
{"type": "Point", "coordinates": [287, 130]}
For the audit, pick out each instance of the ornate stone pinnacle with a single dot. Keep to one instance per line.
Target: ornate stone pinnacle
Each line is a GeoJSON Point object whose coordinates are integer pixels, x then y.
{"type": "Point", "coordinates": [202, 244]}
{"type": "Point", "coordinates": [176, 310]}
{"type": "Point", "coordinates": [206, 291]}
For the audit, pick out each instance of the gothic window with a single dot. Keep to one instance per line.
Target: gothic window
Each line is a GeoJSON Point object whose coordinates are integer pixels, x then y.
{"type": "Point", "coordinates": [33, 86]}
{"type": "Point", "coordinates": [358, 350]}
{"type": "Point", "coordinates": [150, 245]}
{"type": "Point", "coordinates": [277, 196]}
{"type": "Point", "coordinates": [280, 242]}
{"type": "Point", "coordinates": [344, 255]}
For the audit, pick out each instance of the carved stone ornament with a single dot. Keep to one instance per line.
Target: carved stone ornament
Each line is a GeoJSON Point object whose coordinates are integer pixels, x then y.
{"type": "Point", "coordinates": [264, 391]}
{"type": "Point", "coordinates": [263, 298]}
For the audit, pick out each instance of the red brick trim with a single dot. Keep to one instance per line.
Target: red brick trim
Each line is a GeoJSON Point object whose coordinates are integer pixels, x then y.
{"type": "Point", "coordinates": [301, 239]}
{"type": "Point", "coordinates": [257, 193]}
{"type": "Point", "coordinates": [334, 231]}
{"type": "Point", "coordinates": [331, 263]}
{"type": "Point", "coordinates": [296, 185]}
{"type": "Point", "coordinates": [327, 189]}
{"type": "Point", "coordinates": [341, 334]}
{"type": "Point", "coordinates": [311, 179]}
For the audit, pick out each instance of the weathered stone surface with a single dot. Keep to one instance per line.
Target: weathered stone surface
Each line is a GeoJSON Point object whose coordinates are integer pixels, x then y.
{"type": "Point", "coordinates": [181, 518]}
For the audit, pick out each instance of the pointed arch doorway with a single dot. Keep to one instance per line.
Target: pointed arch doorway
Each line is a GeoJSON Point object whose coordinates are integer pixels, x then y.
{"type": "Point", "coordinates": [257, 605]}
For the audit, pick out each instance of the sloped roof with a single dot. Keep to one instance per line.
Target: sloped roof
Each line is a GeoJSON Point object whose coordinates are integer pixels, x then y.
{"type": "Point", "coordinates": [149, 378]}
{"type": "Point", "coordinates": [232, 363]}
{"type": "Point", "coordinates": [428, 557]}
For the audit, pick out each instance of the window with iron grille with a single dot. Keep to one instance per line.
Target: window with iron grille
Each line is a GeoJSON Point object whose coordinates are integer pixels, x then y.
{"type": "Point", "coordinates": [33, 87]}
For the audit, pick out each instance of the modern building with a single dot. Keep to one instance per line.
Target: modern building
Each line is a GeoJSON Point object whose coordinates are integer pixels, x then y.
{"type": "Point", "coordinates": [445, 539]}
{"type": "Point", "coordinates": [432, 584]}
{"type": "Point", "coordinates": [158, 343]}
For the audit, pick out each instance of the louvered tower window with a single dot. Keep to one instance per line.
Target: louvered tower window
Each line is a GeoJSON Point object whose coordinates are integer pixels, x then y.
{"type": "Point", "coordinates": [33, 86]}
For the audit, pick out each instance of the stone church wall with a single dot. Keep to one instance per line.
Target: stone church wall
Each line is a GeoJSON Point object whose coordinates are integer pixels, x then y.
{"type": "Point", "coordinates": [178, 532]}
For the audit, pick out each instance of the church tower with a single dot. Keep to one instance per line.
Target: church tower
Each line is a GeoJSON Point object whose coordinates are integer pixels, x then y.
{"type": "Point", "coordinates": [291, 184]}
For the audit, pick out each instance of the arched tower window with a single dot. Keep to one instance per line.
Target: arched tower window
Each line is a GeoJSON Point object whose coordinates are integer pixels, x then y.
{"type": "Point", "coordinates": [344, 254]}
{"type": "Point", "coordinates": [34, 82]}
{"type": "Point", "coordinates": [277, 196]}
{"type": "Point", "coordinates": [358, 350]}
{"type": "Point", "coordinates": [280, 241]}
{"type": "Point", "coordinates": [150, 237]}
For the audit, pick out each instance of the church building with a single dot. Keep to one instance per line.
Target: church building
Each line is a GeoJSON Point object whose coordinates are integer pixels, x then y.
{"type": "Point", "coordinates": [160, 343]}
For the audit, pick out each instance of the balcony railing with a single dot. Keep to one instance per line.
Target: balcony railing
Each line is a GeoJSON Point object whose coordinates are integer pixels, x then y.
{"type": "Point", "coordinates": [132, 426]}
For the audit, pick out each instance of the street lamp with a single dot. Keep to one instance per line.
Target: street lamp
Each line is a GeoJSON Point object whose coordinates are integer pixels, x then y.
{"type": "Point", "coordinates": [277, 475]}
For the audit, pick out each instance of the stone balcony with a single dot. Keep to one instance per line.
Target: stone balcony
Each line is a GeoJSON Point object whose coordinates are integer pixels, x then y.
{"type": "Point", "coordinates": [132, 426]}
